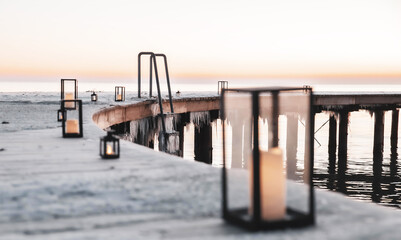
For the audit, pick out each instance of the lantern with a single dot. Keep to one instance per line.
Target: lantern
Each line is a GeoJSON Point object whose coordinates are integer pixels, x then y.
{"type": "Point", "coordinates": [94, 97]}
{"type": "Point", "coordinates": [69, 91]}
{"type": "Point", "coordinates": [109, 146]}
{"type": "Point", "coordinates": [60, 115]}
{"type": "Point", "coordinates": [119, 94]}
{"type": "Point", "coordinates": [268, 157]}
{"type": "Point", "coordinates": [72, 122]}
{"type": "Point", "coordinates": [221, 85]}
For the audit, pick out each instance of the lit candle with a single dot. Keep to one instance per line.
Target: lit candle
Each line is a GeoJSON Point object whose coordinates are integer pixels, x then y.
{"type": "Point", "coordinates": [272, 184]}
{"type": "Point", "coordinates": [119, 97]}
{"type": "Point", "coordinates": [69, 96]}
{"type": "Point", "coordinates": [72, 126]}
{"type": "Point", "coordinates": [109, 150]}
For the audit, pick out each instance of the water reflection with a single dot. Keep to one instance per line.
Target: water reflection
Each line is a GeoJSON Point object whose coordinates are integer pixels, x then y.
{"type": "Point", "coordinates": [361, 175]}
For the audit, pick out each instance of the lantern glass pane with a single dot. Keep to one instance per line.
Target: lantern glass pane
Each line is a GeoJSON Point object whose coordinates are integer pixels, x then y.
{"type": "Point", "coordinates": [292, 133]}
{"type": "Point", "coordinates": [69, 90]}
{"type": "Point", "coordinates": [295, 106]}
{"type": "Point", "coordinates": [238, 145]}
{"type": "Point", "coordinates": [72, 118]}
{"type": "Point", "coordinates": [110, 149]}
{"type": "Point", "coordinates": [119, 93]}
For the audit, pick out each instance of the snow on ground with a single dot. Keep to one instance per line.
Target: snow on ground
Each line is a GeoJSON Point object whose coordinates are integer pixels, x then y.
{"type": "Point", "coordinates": [55, 188]}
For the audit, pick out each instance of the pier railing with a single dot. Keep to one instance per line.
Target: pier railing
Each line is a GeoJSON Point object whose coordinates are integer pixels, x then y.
{"type": "Point", "coordinates": [153, 63]}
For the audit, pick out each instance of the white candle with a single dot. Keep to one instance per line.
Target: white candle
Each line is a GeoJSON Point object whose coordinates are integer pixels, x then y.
{"type": "Point", "coordinates": [69, 96]}
{"type": "Point", "coordinates": [119, 97]}
{"type": "Point", "coordinates": [72, 126]}
{"type": "Point", "coordinates": [109, 150]}
{"type": "Point", "coordinates": [272, 185]}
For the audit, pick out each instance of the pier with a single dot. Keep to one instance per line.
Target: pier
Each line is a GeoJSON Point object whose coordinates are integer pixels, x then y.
{"type": "Point", "coordinates": [338, 104]}
{"type": "Point", "coordinates": [61, 189]}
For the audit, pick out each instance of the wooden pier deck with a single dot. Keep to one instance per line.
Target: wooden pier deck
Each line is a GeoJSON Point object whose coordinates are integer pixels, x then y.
{"type": "Point", "coordinates": [324, 101]}
{"type": "Point", "coordinates": [355, 101]}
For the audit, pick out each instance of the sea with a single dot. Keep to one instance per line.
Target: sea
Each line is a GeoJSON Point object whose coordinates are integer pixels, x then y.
{"type": "Point", "coordinates": [25, 109]}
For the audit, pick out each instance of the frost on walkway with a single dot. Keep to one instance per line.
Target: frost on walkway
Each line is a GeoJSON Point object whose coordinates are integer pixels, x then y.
{"type": "Point", "coordinates": [55, 188]}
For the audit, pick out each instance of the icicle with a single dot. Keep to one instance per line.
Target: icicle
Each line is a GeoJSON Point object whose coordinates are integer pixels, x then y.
{"type": "Point", "coordinates": [200, 118]}
{"type": "Point", "coordinates": [143, 130]}
{"type": "Point", "coordinates": [173, 143]}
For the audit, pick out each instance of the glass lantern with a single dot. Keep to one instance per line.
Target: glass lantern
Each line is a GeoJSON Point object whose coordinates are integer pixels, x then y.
{"type": "Point", "coordinates": [268, 157]}
{"type": "Point", "coordinates": [221, 85]}
{"type": "Point", "coordinates": [94, 97]}
{"type": "Point", "coordinates": [109, 146]}
{"type": "Point", "coordinates": [119, 94]}
{"type": "Point", "coordinates": [60, 115]}
{"type": "Point", "coordinates": [72, 122]}
{"type": "Point", "coordinates": [69, 91]}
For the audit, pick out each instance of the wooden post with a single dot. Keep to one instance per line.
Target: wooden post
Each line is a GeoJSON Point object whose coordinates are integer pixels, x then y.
{"type": "Point", "coordinates": [393, 157]}
{"type": "Point", "coordinates": [394, 131]}
{"type": "Point", "coordinates": [184, 120]}
{"type": "Point", "coordinates": [181, 130]}
{"type": "Point", "coordinates": [308, 141]}
{"type": "Point", "coordinates": [292, 146]}
{"type": "Point", "coordinates": [203, 143]}
{"type": "Point", "coordinates": [332, 150]}
{"type": "Point", "coordinates": [378, 143]}
{"type": "Point", "coordinates": [332, 144]}
{"type": "Point", "coordinates": [342, 150]}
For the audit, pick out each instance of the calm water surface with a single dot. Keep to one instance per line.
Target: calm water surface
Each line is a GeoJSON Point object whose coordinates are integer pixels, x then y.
{"type": "Point", "coordinates": [360, 182]}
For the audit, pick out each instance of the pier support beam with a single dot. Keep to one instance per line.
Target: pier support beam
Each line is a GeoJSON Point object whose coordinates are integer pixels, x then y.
{"type": "Point", "coordinates": [332, 150]}
{"type": "Point", "coordinates": [332, 144]}
{"type": "Point", "coordinates": [378, 143]}
{"type": "Point", "coordinates": [180, 127]}
{"type": "Point", "coordinates": [309, 139]}
{"type": "Point", "coordinates": [203, 143]}
{"type": "Point", "coordinates": [394, 131]}
{"type": "Point", "coordinates": [342, 149]}
{"type": "Point", "coordinates": [292, 146]}
{"type": "Point", "coordinates": [394, 157]}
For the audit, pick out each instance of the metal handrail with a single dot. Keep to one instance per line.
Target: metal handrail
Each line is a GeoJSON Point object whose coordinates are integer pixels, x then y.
{"type": "Point", "coordinates": [167, 78]}
{"type": "Point", "coordinates": [153, 62]}
{"type": "Point", "coordinates": [153, 59]}
{"type": "Point", "coordinates": [139, 70]}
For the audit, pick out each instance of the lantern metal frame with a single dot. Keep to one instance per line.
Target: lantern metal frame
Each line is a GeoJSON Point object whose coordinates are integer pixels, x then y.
{"type": "Point", "coordinates": [94, 97]}
{"type": "Point", "coordinates": [221, 85]}
{"type": "Point", "coordinates": [61, 115]}
{"type": "Point", "coordinates": [109, 138]}
{"type": "Point", "coordinates": [77, 102]}
{"type": "Point", "coordinates": [241, 217]}
{"type": "Point", "coordinates": [117, 90]}
{"type": "Point", "coordinates": [63, 82]}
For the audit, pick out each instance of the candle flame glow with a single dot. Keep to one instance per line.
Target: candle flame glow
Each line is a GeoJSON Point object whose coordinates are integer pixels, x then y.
{"type": "Point", "coordinates": [109, 150]}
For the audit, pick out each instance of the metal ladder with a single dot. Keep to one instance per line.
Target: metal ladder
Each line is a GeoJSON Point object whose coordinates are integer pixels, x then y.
{"type": "Point", "coordinates": [153, 63]}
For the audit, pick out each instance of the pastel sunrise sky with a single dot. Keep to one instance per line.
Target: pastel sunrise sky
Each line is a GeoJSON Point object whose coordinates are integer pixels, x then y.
{"type": "Point", "coordinates": [99, 39]}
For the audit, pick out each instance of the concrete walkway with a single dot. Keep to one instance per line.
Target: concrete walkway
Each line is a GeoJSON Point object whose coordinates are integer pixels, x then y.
{"type": "Point", "coordinates": [55, 188]}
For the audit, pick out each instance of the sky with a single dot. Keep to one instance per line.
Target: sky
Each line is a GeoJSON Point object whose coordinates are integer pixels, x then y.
{"type": "Point", "coordinates": [208, 40]}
